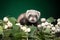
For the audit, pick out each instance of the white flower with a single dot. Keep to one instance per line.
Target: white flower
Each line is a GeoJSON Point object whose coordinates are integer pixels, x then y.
{"type": "Point", "coordinates": [56, 26]}
{"type": "Point", "coordinates": [53, 28]}
{"type": "Point", "coordinates": [43, 20]}
{"type": "Point", "coordinates": [44, 27]}
{"type": "Point", "coordinates": [5, 19]}
{"type": "Point", "coordinates": [5, 26]}
{"type": "Point", "coordinates": [48, 26]}
{"type": "Point", "coordinates": [43, 24]}
{"type": "Point", "coordinates": [58, 23]}
{"type": "Point", "coordinates": [28, 30]}
{"type": "Point", "coordinates": [58, 30]}
{"type": "Point", "coordinates": [58, 20]}
{"type": "Point", "coordinates": [52, 25]}
{"type": "Point", "coordinates": [46, 23]}
{"type": "Point", "coordinates": [19, 24]}
{"type": "Point", "coordinates": [9, 24]}
{"type": "Point", "coordinates": [39, 26]}
{"type": "Point", "coordinates": [23, 28]}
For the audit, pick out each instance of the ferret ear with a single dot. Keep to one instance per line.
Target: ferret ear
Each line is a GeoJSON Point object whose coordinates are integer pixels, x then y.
{"type": "Point", "coordinates": [27, 13]}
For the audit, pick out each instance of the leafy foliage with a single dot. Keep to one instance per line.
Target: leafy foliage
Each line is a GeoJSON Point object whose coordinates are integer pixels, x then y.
{"type": "Point", "coordinates": [16, 33]}
{"type": "Point", "coordinates": [50, 20]}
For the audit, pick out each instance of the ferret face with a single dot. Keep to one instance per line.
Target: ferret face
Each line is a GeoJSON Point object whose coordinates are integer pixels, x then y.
{"type": "Point", "coordinates": [32, 18]}
{"type": "Point", "coordinates": [32, 15]}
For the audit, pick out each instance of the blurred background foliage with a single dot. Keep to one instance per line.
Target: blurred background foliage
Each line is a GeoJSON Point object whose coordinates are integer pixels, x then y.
{"type": "Point", "coordinates": [15, 32]}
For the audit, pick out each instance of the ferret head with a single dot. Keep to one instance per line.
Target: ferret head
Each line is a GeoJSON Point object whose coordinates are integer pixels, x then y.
{"type": "Point", "coordinates": [32, 15]}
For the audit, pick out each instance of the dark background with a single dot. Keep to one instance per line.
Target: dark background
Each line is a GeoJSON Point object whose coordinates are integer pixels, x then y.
{"type": "Point", "coordinates": [48, 8]}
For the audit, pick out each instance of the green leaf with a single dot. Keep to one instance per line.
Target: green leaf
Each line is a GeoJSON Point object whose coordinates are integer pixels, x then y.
{"type": "Point", "coordinates": [1, 23]}
{"type": "Point", "coordinates": [12, 19]}
{"type": "Point", "coordinates": [15, 29]}
{"type": "Point", "coordinates": [17, 32]}
{"type": "Point", "coordinates": [7, 32]}
{"type": "Point", "coordinates": [50, 20]}
{"type": "Point", "coordinates": [33, 30]}
{"type": "Point", "coordinates": [1, 29]}
{"type": "Point", "coordinates": [47, 31]}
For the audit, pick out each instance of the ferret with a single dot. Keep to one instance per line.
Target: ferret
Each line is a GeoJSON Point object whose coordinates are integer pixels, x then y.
{"type": "Point", "coordinates": [30, 17]}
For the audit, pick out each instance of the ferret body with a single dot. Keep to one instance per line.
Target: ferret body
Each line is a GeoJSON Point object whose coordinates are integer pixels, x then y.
{"type": "Point", "coordinates": [31, 17]}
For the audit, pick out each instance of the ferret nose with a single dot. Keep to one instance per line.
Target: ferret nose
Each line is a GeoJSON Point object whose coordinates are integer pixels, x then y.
{"type": "Point", "coordinates": [32, 19]}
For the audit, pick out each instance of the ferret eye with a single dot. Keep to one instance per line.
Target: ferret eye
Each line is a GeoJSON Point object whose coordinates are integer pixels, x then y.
{"type": "Point", "coordinates": [30, 15]}
{"type": "Point", "coordinates": [36, 16]}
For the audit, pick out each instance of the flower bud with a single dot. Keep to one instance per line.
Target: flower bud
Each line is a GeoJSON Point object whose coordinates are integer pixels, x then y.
{"type": "Point", "coordinates": [43, 24]}
{"type": "Point", "coordinates": [58, 23]}
{"type": "Point", "coordinates": [9, 24]}
{"type": "Point", "coordinates": [5, 19]}
{"type": "Point", "coordinates": [43, 20]}
{"type": "Point", "coordinates": [53, 28]}
{"type": "Point", "coordinates": [39, 26]}
{"type": "Point", "coordinates": [23, 28]}
{"type": "Point", "coordinates": [46, 23]}
{"type": "Point", "coordinates": [58, 30]}
{"type": "Point", "coordinates": [58, 20]}
{"type": "Point", "coordinates": [18, 24]}
{"type": "Point", "coordinates": [48, 26]}
{"type": "Point", "coordinates": [28, 30]}
{"type": "Point", "coordinates": [5, 26]}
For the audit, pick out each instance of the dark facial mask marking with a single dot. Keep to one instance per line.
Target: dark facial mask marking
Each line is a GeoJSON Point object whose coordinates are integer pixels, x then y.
{"type": "Point", "coordinates": [36, 16]}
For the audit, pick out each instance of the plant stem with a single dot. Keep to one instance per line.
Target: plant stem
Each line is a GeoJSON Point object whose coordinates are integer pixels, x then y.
{"type": "Point", "coordinates": [27, 35]}
{"type": "Point", "coordinates": [27, 38]}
